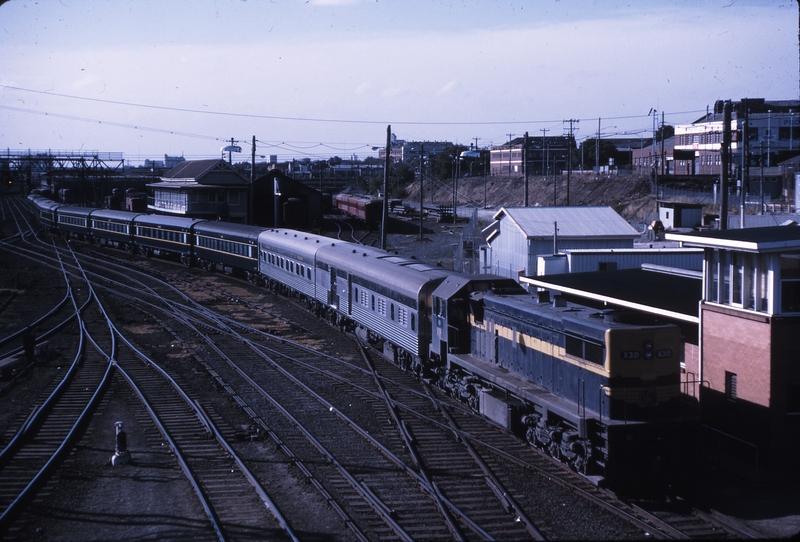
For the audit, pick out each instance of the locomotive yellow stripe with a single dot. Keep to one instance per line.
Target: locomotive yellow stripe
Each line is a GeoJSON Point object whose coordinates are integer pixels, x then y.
{"type": "Point", "coordinates": [543, 347]}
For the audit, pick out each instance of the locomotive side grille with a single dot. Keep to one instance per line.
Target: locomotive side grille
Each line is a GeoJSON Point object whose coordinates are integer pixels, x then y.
{"type": "Point", "coordinates": [580, 348]}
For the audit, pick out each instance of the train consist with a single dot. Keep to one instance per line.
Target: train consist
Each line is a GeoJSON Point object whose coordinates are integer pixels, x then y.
{"type": "Point", "coordinates": [595, 389]}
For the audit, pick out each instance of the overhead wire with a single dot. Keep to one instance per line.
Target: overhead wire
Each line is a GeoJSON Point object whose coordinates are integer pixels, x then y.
{"type": "Point", "coordinates": [300, 148]}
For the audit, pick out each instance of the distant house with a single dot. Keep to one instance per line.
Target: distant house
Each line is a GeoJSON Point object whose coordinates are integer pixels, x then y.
{"type": "Point", "coordinates": [519, 236]}
{"type": "Point", "coordinates": [680, 215]}
{"type": "Point", "coordinates": [210, 189]}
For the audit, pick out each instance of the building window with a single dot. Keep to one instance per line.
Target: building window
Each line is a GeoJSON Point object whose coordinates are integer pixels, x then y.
{"type": "Point", "coordinates": [730, 386]}
{"type": "Point", "coordinates": [793, 399]}
{"type": "Point", "coordinates": [790, 283]}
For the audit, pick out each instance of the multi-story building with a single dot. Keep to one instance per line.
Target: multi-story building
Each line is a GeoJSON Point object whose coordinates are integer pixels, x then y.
{"type": "Point", "coordinates": [766, 131]}
{"type": "Point", "coordinates": [544, 156]}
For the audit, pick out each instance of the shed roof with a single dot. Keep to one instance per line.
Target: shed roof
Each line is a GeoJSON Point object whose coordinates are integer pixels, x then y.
{"type": "Point", "coordinates": [573, 222]}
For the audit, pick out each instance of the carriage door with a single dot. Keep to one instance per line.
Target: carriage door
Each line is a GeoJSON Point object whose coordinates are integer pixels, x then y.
{"type": "Point", "coordinates": [333, 295]}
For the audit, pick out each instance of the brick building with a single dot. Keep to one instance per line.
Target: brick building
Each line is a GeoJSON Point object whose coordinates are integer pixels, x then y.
{"type": "Point", "coordinates": [749, 328]}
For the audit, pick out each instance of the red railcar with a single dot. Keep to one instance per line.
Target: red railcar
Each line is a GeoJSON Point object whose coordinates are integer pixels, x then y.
{"type": "Point", "coordinates": [366, 208]}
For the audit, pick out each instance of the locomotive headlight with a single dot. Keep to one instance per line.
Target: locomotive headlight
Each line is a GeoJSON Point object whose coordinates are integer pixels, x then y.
{"type": "Point", "coordinates": [648, 349]}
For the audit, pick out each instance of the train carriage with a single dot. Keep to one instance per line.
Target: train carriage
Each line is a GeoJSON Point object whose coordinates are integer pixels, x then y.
{"type": "Point", "coordinates": [115, 228]}
{"type": "Point", "coordinates": [385, 295]}
{"type": "Point", "coordinates": [46, 208]}
{"type": "Point", "coordinates": [366, 208]}
{"type": "Point", "coordinates": [227, 246]}
{"type": "Point", "coordinates": [287, 259]}
{"type": "Point", "coordinates": [73, 221]}
{"type": "Point", "coordinates": [167, 236]}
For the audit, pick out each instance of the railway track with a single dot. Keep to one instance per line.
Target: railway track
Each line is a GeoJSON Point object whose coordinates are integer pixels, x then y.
{"type": "Point", "coordinates": [393, 459]}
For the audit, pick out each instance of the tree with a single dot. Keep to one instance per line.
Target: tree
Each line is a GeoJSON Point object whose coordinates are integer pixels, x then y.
{"type": "Point", "coordinates": [588, 151]}
{"type": "Point", "coordinates": [665, 131]}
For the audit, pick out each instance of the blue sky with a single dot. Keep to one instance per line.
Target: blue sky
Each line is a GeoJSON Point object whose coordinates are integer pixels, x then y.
{"type": "Point", "coordinates": [324, 77]}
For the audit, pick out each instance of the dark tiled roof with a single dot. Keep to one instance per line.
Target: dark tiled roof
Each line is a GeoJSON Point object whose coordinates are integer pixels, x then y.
{"type": "Point", "coordinates": [195, 169]}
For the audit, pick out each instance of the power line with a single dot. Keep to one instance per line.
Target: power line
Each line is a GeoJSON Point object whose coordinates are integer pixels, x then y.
{"type": "Point", "coordinates": [316, 119]}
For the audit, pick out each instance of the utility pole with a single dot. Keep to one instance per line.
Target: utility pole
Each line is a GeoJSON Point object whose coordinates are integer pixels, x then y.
{"type": "Point", "coordinates": [663, 158]}
{"type": "Point", "coordinates": [509, 154]}
{"type": "Point", "coordinates": [726, 152]}
{"type": "Point", "coordinates": [572, 128]}
{"type": "Point", "coordinates": [597, 148]}
{"type": "Point", "coordinates": [421, 182]}
{"type": "Point", "coordinates": [477, 138]}
{"type": "Point", "coordinates": [546, 151]}
{"type": "Point", "coordinates": [525, 167]}
{"type": "Point", "coordinates": [385, 213]}
{"type": "Point", "coordinates": [653, 155]}
{"type": "Point", "coordinates": [252, 192]}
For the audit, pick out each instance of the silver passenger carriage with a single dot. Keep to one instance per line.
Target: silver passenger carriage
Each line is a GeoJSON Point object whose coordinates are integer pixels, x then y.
{"type": "Point", "coordinates": [386, 296]}
{"type": "Point", "coordinates": [287, 261]}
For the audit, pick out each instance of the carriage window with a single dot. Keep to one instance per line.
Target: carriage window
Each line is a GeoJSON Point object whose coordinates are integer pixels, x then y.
{"type": "Point", "coordinates": [308, 273]}
{"type": "Point", "coordinates": [391, 311]}
{"type": "Point", "coordinates": [372, 302]}
{"type": "Point", "coordinates": [413, 322]}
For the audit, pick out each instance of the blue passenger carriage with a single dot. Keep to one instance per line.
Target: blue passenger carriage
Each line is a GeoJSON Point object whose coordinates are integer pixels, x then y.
{"type": "Point", "coordinates": [73, 221]}
{"type": "Point", "coordinates": [46, 208]}
{"type": "Point", "coordinates": [228, 247]}
{"type": "Point", "coordinates": [114, 228]}
{"type": "Point", "coordinates": [167, 236]}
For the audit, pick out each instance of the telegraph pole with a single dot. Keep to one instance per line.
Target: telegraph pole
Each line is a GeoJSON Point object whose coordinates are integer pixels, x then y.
{"type": "Point", "coordinates": [572, 128]}
{"type": "Point", "coordinates": [525, 167]}
{"type": "Point", "coordinates": [546, 150]}
{"type": "Point", "coordinates": [421, 182]}
{"type": "Point", "coordinates": [509, 154]}
{"type": "Point", "coordinates": [252, 192]}
{"type": "Point", "coordinates": [385, 186]}
{"type": "Point", "coordinates": [726, 153]}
